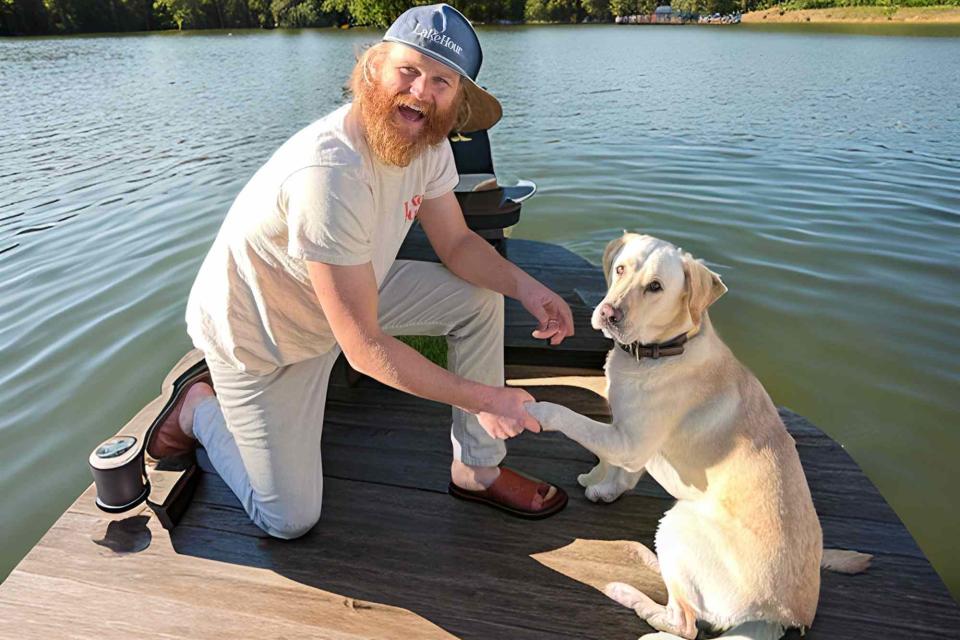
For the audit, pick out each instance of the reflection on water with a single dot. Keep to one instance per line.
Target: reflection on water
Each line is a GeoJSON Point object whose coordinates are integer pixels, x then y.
{"type": "Point", "coordinates": [818, 173]}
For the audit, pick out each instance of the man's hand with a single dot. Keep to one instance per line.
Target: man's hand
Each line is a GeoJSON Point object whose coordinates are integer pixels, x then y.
{"type": "Point", "coordinates": [554, 319]}
{"type": "Point", "coordinates": [472, 258]}
{"type": "Point", "coordinates": [503, 414]}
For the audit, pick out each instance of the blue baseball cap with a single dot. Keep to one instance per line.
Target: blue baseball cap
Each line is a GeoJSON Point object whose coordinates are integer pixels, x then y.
{"type": "Point", "coordinates": [444, 34]}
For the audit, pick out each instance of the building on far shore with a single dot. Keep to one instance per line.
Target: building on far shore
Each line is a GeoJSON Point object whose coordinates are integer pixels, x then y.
{"type": "Point", "coordinates": [663, 13]}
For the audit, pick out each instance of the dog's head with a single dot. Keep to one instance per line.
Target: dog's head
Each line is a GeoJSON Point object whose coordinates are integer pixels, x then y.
{"type": "Point", "coordinates": [655, 291]}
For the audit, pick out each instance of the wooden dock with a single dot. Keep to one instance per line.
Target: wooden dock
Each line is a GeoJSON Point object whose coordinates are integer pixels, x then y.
{"type": "Point", "coordinates": [395, 557]}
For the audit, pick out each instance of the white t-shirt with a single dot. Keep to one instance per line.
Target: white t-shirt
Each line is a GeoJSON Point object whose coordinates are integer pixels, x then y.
{"type": "Point", "coordinates": [323, 196]}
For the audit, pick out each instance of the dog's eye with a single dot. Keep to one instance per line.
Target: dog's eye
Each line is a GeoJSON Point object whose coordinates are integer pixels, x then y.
{"type": "Point", "coordinates": [654, 287]}
{"type": "Point", "coordinates": [619, 269]}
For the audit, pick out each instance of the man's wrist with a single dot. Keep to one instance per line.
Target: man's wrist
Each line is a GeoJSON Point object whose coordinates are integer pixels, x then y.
{"type": "Point", "coordinates": [526, 285]}
{"type": "Point", "coordinates": [521, 283]}
{"type": "Point", "coordinates": [480, 397]}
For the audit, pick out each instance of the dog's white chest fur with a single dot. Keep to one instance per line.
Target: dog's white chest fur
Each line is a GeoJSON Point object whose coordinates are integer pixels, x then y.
{"type": "Point", "coordinates": [669, 478]}
{"type": "Point", "coordinates": [649, 400]}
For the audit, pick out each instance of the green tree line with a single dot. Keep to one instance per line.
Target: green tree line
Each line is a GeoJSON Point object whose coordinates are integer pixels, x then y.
{"type": "Point", "coordinates": [32, 17]}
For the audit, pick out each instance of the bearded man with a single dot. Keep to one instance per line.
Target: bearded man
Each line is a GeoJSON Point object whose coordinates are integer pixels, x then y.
{"type": "Point", "coordinates": [305, 267]}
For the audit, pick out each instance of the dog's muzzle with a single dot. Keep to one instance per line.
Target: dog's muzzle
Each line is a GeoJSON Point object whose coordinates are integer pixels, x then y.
{"type": "Point", "coordinates": [610, 314]}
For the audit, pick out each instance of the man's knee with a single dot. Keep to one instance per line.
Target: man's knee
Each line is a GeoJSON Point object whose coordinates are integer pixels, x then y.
{"type": "Point", "coordinates": [287, 521]}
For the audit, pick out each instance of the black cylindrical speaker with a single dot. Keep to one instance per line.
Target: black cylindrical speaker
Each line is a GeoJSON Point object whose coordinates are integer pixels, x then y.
{"type": "Point", "coordinates": [119, 473]}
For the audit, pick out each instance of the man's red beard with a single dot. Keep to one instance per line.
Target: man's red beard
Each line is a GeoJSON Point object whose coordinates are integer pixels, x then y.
{"type": "Point", "coordinates": [387, 138]}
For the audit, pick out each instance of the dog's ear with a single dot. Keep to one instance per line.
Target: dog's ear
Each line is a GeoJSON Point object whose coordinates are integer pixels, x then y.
{"type": "Point", "coordinates": [703, 287]}
{"type": "Point", "coordinates": [613, 248]}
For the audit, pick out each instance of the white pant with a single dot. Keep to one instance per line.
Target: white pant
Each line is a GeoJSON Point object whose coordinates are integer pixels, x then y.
{"type": "Point", "coordinates": [262, 433]}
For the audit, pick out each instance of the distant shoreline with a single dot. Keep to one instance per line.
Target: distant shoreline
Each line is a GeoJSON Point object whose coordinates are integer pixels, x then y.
{"type": "Point", "coordinates": [858, 15]}
{"type": "Point", "coordinates": [943, 15]}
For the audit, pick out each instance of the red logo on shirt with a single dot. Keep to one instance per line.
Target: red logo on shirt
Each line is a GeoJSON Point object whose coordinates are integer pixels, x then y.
{"type": "Point", "coordinates": [411, 207]}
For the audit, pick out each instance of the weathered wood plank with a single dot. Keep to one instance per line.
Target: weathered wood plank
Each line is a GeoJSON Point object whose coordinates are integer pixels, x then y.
{"type": "Point", "coordinates": [620, 520]}
{"type": "Point", "coordinates": [429, 470]}
{"type": "Point", "coordinates": [842, 494]}
{"type": "Point", "coordinates": [409, 549]}
{"type": "Point", "coordinates": [40, 606]}
{"type": "Point", "coordinates": [410, 520]}
{"type": "Point", "coordinates": [838, 485]}
{"type": "Point", "coordinates": [407, 520]}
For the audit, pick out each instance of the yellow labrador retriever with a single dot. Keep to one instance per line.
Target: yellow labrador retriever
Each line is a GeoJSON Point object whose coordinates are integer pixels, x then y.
{"type": "Point", "coordinates": [741, 550]}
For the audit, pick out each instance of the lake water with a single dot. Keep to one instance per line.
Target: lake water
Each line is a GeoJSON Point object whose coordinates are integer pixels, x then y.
{"type": "Point", "coordinates": [818, 172]}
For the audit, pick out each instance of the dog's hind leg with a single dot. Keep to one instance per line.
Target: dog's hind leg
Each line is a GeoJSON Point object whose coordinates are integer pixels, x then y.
{"type": "Point", "coordinates": [676, 618]}
{"type": "Point", "coordinates": [645, 555]}
{"type": "Point", "coordinates": [631, 598]}
{"type": "Point", "coordinates": [755, 630]}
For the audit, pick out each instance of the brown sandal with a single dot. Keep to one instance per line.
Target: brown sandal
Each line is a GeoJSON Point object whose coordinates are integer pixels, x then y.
{"type": "Point", "coordinates": [514, 493]}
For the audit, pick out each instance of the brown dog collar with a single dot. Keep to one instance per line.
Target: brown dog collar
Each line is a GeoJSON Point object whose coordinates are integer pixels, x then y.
{"type": "Point", "coordinates": [657, 350]}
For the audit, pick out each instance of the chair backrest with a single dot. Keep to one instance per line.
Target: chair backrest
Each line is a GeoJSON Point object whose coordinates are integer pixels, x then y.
{"type": "Point", "coordinates": [471, 152]}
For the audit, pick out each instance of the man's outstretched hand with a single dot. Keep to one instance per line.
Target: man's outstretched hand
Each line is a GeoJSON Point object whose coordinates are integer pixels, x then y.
{"type": "Point", "coordinates": [504, 414]}
{"type": "Point", "coordinates": [554, 319]}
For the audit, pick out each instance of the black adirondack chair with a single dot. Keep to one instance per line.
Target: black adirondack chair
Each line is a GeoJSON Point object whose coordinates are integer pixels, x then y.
{"type": "Point", "coordinates": [488, 207]}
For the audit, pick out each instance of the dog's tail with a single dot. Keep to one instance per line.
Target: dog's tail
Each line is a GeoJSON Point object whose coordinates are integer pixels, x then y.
{"type": "Point", "coordinates": [844, 561]}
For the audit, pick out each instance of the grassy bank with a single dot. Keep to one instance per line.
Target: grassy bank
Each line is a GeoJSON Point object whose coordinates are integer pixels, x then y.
{"type": "Point", "coordinates": [433, 347]}
{"type": "Point", "coordinates": [933, 15]}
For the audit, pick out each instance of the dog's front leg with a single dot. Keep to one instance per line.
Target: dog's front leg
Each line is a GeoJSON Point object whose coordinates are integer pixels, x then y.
{"type": "Point", "coordinates": [608, 442]}
{"type": "Point", "coordinates": [603, 440]}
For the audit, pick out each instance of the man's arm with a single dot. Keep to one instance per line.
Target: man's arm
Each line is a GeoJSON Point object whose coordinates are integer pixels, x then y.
{"type": "Point", "coordinates": [348, 296]}
{"type": "Point", "coordinates": [472, 258]}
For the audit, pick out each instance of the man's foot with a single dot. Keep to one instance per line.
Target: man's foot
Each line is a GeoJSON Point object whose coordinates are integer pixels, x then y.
{"type": "Point", "coordinates": [506, 489]}
{"type": "Point", "coordinates": [174, 436]}
{"type": "Point", "coordinates": [479, 478]}
{"type": "Point", "coordinates": [472, 478]}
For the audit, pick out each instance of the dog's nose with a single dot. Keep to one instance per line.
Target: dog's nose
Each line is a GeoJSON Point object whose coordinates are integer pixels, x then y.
{"type": "Point", "coordinates": [610, 313]}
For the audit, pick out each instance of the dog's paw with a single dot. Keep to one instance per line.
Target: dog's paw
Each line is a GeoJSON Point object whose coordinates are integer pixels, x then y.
{"type": "Point", "coordinates": [594, 476]}
{"type": "Point", "coordinates": [621, 593]}
{"type": "Point", "coordinates": [603, 492]}
{"type": "Point", "coordinates": [545, 412]}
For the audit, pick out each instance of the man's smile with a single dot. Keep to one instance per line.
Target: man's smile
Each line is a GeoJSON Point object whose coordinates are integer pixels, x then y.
{"type": "Point", "coordinates": [411, 113]}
